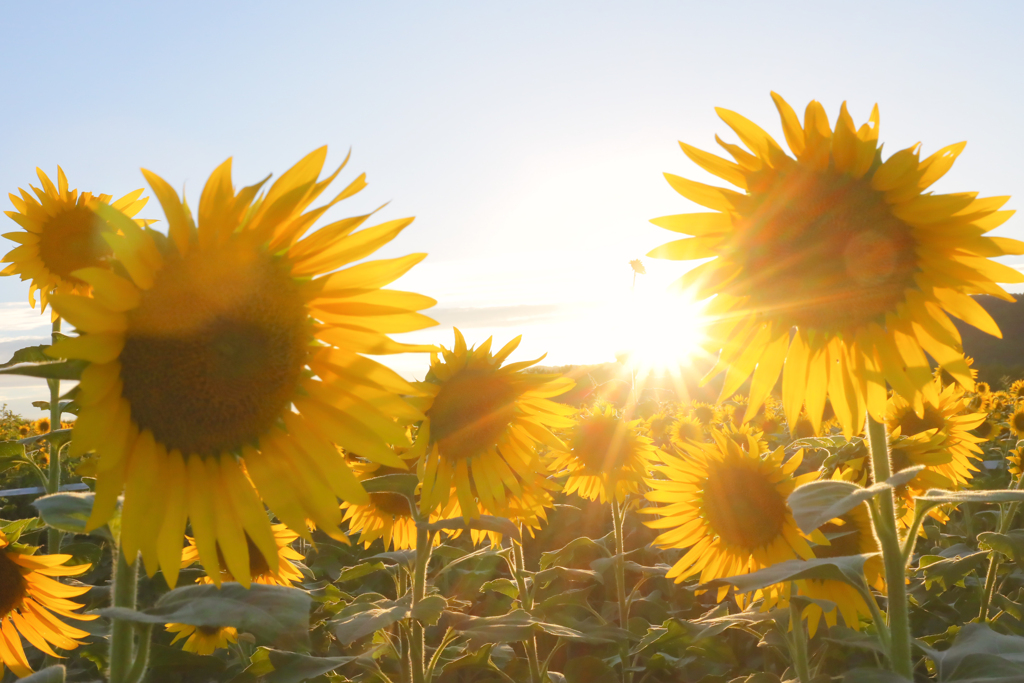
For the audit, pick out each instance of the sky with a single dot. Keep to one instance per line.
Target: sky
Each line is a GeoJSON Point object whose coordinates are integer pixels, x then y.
{"type": "Point", "coordinates": [529, 138]}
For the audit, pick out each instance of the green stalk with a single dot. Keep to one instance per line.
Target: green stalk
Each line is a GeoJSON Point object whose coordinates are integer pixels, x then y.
{"type": "Point", "coordinates": [892, 555]}
{"type": "Point", "coordinates": [125, 583]}
{"type": "Point", "coordinates": [138, 671]}
{"type": "Point", "coordinates": [417, 646]}
{"type": "Point", "coordinates": [53, 536]}
{"type": "Point", "coordinates": [798, 639]}
{"type": "Point", "coordinates": [620, 582]}
{"type": "Point", "coordinates": [526, 600]}
{"type": "Point", "coordinates": [994, 560]}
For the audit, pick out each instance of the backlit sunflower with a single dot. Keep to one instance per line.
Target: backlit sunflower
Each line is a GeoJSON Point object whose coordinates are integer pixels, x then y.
{"type": "Point", "coordinates": [31, 602]}
{"type": "Point", "coordinates": [386, 516]}
{"type": "Point", "coordinates": [1014, 460]}
{"type": "Point", "coordinates": [282, 572]}
{"type": "Point", "coordinates": [728, 506]}
{"type": "Point", "coordinates": [850, 534]}
{"type": "Point", "coordinates": [658, 426]}
{"type": "Point", "coordinates": [607, 459]}
{"type": "Point", "coordinates": [836, 265]}
{"type": "Point", "coordinates": [203, 640]}
{"type": "Point", "coordinates": [1016, 422]}
{"type": "Point", "coordinates": [42, 425]}
{"type": "Point", "coordinates": [227, 360]}
{"type": "Point", "coordinates": [483, 425]}
{"type": "Point", "coordinates": [705, 413]}
{"type": "Point", "coordinates": [63, 234]}
{"type": "Point", "coordinates": [684, 430]}
{"type": "Point", "coordinates": [1017, 389]}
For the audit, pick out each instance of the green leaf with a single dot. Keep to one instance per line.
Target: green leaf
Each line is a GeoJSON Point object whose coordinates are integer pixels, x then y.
{"type": "Point", "coordinates": [51, 674]}
{"type": "Point", "coordinates": [948, 572]}
{"type": "Point", "coordinates": [588, 669]}
{"type": "Point", "coordinates": [361, 570]}
{"type": "Point", "coordinates": [819, 502]}
{"type": "Point", "coordinates": [938, 496]}
{"type": "Point", "coordinates": [873, 676]}
{"type": "Point", "coordinates": [848, 569]}
{"type": "Point", "coordinates": [277, 666]}
{"type": "Point", "coordinates": [504, 586]}
{"type": "Point", "coordinates": [29, 354]}
{"type": "Point", "coordinates": [404, 484]}
{"type": "Point", "coordinates": [69, 512]}
{"type": "Point", "coordinates": [65, 406]}
{"type": "Point", "coordinates": [12, 454]}
{"type": "Point", "coordinates": [271, 613]}
{"type": "Point", "coordinates": [429, 609]}
{"type": "Point", "coordinates": [1010, 544]}
{"type": "Point", "coordinates": [567, 573]}
{"type": "Point", "coordinates": [14, 530]}
{"type": "Point", "coordinates": [51, 369]}
{"type": "Point", "coordinates": [565, 555]}
{"type": "Point", "coordinates": [979, 653]}
{"type": "Point", "coordinates": [481, 523]}
{"type": "Point", "coordinates": [364, 619]}
{"type": "Point", "coordinates": [515, 626]}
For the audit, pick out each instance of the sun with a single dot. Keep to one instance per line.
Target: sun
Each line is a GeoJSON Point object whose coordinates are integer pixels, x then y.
{"type": "Point", "coordinates": [658, 331]}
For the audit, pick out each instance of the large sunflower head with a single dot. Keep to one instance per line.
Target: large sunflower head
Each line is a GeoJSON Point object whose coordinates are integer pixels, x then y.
{"type": "Point", "coordinates": [279, 570]}
{"type": "Point", "coordinates": [225, 359]}
{"type": "Point", "coordinates": [684, 430]}
{"type": "Point", "coordinates": [31, 598]}
{"type": "Point", "coordinates": [62, 234]}
{"type": "Point", "coordinates": [728, 507]}
{"type": "Point", "coordinates": [608, 457]}
{"type": "Point", "coordinates": [484, 424]}
{"type": "Point", "coordinates": [836, 264]}
{"type": "Point", "coordinates": [203, 640]}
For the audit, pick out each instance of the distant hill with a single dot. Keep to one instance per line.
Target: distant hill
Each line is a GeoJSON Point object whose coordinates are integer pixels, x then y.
{"type": "Point", "coordinates": [995, 358]}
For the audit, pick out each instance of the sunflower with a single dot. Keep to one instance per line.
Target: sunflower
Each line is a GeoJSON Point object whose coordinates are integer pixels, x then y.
{"type": "Point", "coordinates": [1016, 422]}
{"type": "Point", "coordinates": [803, 428]}
{"type": "Point", "coordinates": [203, 640]}
{"type": "Point", "coordinates": [63, 234]}
{"type": "Point", "coordinates": [988, 430]}
{"type": "Point", "coordinates": [607, 459]}
{"type": "Point", "coordinates": [684, 430]}
{"type": "Point", "coordinates": [947, 417]}
{"type": "Point", "coordinates": [24, 430]}
{"type": "Point", "coordinates": [659, 425]}
{"type": "Point", "coordinates": [200, 352]}
{"type": "Point", "coordinates": [1014, 460]}
{"type": "Point", "coordinates": [483, 424]}
{"type": "Point", "coordinates": [386, 516]}
{"type": "Point", "coordinates": [283, 571]}
{"type": "Point", "coordinates": [705, 413]}
{"type": "Point", "coordinates": [850, 534]}
{"type": "Point", "coordinates": [42, 425]}
{"type": "Point", "coordinates": [728, 506]}
{"type": "Point", "coordinates": [836, 265]}
{"type": "Point", "coordinates": [747, 437]}
{"type": "Point", "coordinates": [31, 602]}
{"type": "Point", "coordinates": [1017, 389]}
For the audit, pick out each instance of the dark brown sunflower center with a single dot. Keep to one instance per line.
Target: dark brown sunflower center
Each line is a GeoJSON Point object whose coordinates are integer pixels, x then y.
{"type": "Point", "coordinates": [602, 444]}
{"type": "Point", "coordinates": [688, 431]}
{"type": "Point", "coordinates": [214, 353]}
{"type": "Point", "coordinates": [820, 251]}
{"type": "Point", "coordinates": [1017, 422]}
{"type": "Point", "coordinates": [71, 240]}
{"type": "Point", "coordinates": [258, 566]}
{"type": "Point", "coordinates": [742, 506]}
{"type": "Point", "coordinates": [470, 413]}
{"type": "Point", "coordinates": [393, 504]}
{"type": "Point", "coordinates": [12, 585]}
{"type": "Point", "coordinates": [209, 631]}
{"type": "Point", "coordinates": [910, 424]}
{"type": "Point", "coordinates": [803, 428]}
{"type": "Point", "coordinates": [704, 414]}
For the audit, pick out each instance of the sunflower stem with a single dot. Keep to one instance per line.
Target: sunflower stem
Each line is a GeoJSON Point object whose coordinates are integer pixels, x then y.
{"type": "Point", "coordinates": [526, 600]}
{"type": "Point", "coordinates": [123, 590]}
{"type": "Point", "coordinates": [53, 536]}
{"type": "Point", "coordinates": [417, 645]}
{"type": "Point", "coordinates": [138, 670]}
{"type": "Point", "coordinates": [892, 553]}
{"type": "Point", "coordinates": [620, 581]}
{"type": "Point", "coordinates": [798, 639]}
{"type": "Point", "coordinates": [1005, 520]}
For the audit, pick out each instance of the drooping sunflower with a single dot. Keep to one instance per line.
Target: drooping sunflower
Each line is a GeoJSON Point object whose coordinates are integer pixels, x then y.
{"type": "Point", "coordinates": [63, 234]}
{"type": "Point", "coordinates": [280, 571]}
{"type": "Point", "coordinates": [484, 422]}
{"type": "Point", "coordinates": [850, 534]}
{"type": "Point", "coordinates": [31, 602]}
{"type": "Point", "coordinates": [608, 458]}
{"type": "Point", "coordinates": [226, 360]}
{"type": "Point", "coordinates": [728, 507]}
{"type": "Point", "coordinates": [203, 640]}
{"type": "Point", "coordinates": [836, 265]}
{"type": "Point", "coordinates": [685, 429]}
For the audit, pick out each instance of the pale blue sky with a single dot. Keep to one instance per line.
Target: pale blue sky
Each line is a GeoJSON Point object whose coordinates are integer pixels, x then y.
{"type": "Point", "coordinates": [528, 138]}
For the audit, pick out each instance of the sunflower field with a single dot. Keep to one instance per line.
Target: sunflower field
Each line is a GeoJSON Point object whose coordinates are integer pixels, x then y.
{"type": "Point", "coordinates": [232, 485]}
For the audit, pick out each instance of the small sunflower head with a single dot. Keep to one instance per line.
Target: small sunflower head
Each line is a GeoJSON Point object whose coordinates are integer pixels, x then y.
{"type": "Point", "coordinates": [1017, 422]}
{"type": "Point", "coordinates": [638, 267]}
{"type": "Point", "coordinates": [24, 430]}
{"type": "Point", "coordinates": [982, 388]}
{"type": "Point", "coordinates": [684, 430]}
{"type": "Point", "coordinates": [42, 425]}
